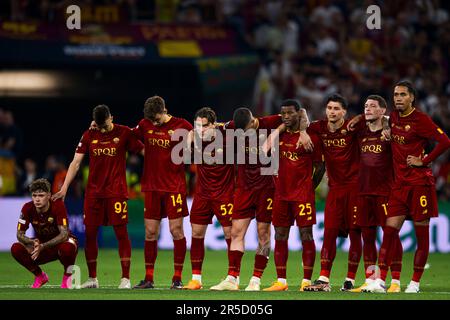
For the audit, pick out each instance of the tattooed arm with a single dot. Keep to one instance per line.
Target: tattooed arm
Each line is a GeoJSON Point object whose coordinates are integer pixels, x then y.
{"type": "Point", "coordinates": [24, 239]}
{"type": "Point", "coordinates": [61, 237]}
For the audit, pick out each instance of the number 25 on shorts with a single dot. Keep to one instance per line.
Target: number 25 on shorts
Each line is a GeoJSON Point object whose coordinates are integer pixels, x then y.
{"type": "Point", "coordinates": [303, 207]}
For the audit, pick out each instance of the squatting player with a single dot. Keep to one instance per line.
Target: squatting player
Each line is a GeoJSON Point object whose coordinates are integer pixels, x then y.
{"type": "Point", "coordinates": [164, 186]}
{"type": "Point", "coordinates": [294, 195]}
{"type": "Point", "coordinates": [214, 189]}
{"type": "Point", "coordinates": [375, 183]}
{"type": "Point", "coordinates": [253, 198]}
{"type": "Point", "coordinates": [413, 195]}
{"type": "Point", "coordinates": [53, 241]}
{"type": "Point", "coordinates": [105, 199]}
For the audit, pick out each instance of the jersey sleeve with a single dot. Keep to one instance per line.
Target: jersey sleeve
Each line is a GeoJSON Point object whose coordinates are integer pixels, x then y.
{"type": "Point", "coordinates": [138, 131]}
{"type": "Point", "coordinates": [24, 219]}
{"type": "Point", "coordinates": [273, 122]}
{"type": "Point", "coordinates": [426, 128]}
{"type": "Point", "coordinates": [83, 145]}
{"type": "Point", "coordinates": [317, 151]}
{"type": "Point", "coordinates": [133, 143]}
{"type": "Point", "coordinates": [61, 213]}
{"type": "Point", "coordinates": [314, 128]}
{"type": "Point", "coordinates": [230, 125]}
{"type": "Point", "coordinates": [186, 125]}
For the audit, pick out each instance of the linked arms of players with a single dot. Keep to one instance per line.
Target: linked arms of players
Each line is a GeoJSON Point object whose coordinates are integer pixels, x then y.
{"type": "Point", "coordinates": [386, 133]}
{"type": "Point", "coordinates": [61, 237]}
{"type": "Point", "coordinates": [319, 171]}
{"type": "Point", "coordinates": [71, 173]}
{"type": "Point", "coordinates": [304, 139]}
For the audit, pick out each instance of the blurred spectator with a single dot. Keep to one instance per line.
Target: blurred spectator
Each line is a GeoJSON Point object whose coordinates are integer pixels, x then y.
{"type": "Point", "coordinates": [26, 176]}
{"type": "Point", "coordinates": [11, 135]}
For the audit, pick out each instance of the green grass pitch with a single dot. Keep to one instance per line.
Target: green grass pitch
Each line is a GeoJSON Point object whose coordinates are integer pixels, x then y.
{"type": "Point", "coordinates": [15, 280]}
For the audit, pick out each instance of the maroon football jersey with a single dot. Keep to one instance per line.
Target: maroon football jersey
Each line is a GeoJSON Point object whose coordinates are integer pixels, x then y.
{"type": "Point", "coordinates": [249, 175]}
{"type": "Point", "coordinates": [410, 134]}
{"type": "Point", "coordinates": [215, 181]}
{"type": "Point", "coordinates": [340, 149]}
{"type": "Point", "coordinates": [376, 173]}
{"type": "Point", "coordinates": [295, 170]}
{"type": "Point", "coordinates": [45, 224]}
{"type": "Point", "coordinates": [107, 160]}
{"type": "Point", "coordinates": [160, 173]}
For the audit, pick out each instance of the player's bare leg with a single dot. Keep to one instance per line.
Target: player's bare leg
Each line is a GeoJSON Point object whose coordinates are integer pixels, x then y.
{"type": "Point", "coordinates": [261, 256]}
{"type": "Point", "coordinates": [391, 233]}
{"type": "Point", "coordinates": [280, 256]}
{"type": "Point", "coordinates": [422, 229]}
{"type": "Point", "coordinates": [152, 227]}
{"type": "Point", "coordinates": [308, 255]}
{"type": "Point", "coordinates": [238, 230]}
{"type": "Point", "coordinates": [179, 251]}
{"type": "Point", "coordinates": [198, 254]}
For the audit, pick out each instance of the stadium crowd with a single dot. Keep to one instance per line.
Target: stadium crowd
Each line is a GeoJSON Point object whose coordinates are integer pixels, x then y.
{"type": "Point", "coordinates": [308, 50]}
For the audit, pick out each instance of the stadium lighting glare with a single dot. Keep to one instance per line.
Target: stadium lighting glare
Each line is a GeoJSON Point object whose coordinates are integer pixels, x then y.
{"type": "Point", "coordinates": [27, 81]}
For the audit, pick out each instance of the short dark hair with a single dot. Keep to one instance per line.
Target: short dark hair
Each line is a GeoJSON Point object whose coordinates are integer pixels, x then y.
{"type": "Point", "coordinates": [409, 85]}
{"type": "Point", "coordinates": [380, 99]}
{"type": "Point", "coordinates": [40, 185]}
{"type": "Point", "coordinates": [291, 102]}
{"type": "Point", "coordinates": [206, 112]}
{"type": "Point", "coordinates": [153, 106]}
{"type": "Point", "coordinates": [336, 97]}
{"type": "Point", "coordinates": [242, 117]}
{"type": "Point", "coordinates": [100, 114]}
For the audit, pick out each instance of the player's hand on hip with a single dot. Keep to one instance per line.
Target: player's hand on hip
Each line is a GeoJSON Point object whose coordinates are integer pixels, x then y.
{"type": "Point", "coordinates": [305, 141]}
{"type": "Point", "coordinates": [413, 161]}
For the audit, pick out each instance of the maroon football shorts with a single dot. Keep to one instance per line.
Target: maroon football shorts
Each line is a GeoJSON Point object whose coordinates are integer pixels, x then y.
{"type": "Point", "coordinates": [52, 254]}
{"type": "Point", "coordinates": [254, 204]}
{"type": "Point", "coordinates": [105, 211]}
{"type": "Point", "coordinates": [415, 202]}
{"type": "Point", "coordinates": [159, 205]}
{"type": "Point", "coordinates": [372, 210]}
{"type": "Point", "coordinates": [341, 208]}
{"type": "Point", "coordinates": [303, 212]}
{"type": "Point", "coordinates": [203, 210]}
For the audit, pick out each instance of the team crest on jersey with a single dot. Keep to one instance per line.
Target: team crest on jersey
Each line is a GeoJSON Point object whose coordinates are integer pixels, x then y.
{"type": "Point", "coordinates": [50, 219]}
{"type": "Point", "coordinates": [343, 131]}
{"type": "Point", "coordinates": [407, 127]}
{"type": "Point", "coordinates": [150, 131]}
{"type": "Point", "coordinates": [94, 141]}
{"type": "Point", "coordinates": [364, 140]}
{"type": "Point", "coordinates": [170, 132]}
{"type": "Point", "coordinates": [116, 140]}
